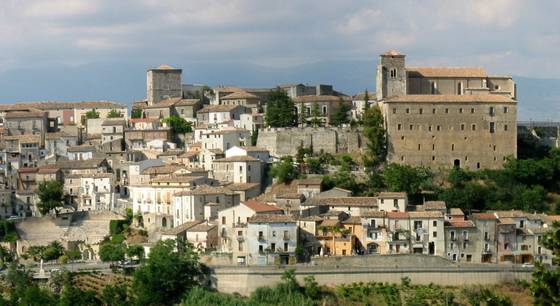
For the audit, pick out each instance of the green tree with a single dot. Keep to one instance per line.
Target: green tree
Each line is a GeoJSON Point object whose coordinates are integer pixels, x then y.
{"type": "Point", "coordinates": [366, 100]}
{"type": "Point", "coordinates": [71, 296]}
{"type": "Point", "coordinates": [302, 116]}
{"type": "Point", "coordinates": [284, 170]}
{"type": "Point", "coordinates": [135, 250]}
{"type": "Point", "coordinates": [178, 125]}
{"type": "Point", "coordinates": [315, 115]}
{"type": "Point", "coordinates": [111, 251]}
{"type": "Point", "coordinates": [52, 251]}
{"type": "Point", "coordinates": [113, 113]}
{"type": "Point", "coordinates": [136, 113]}
{"type": "Point", "coordinates": [254, 137]}
{"type": "Point", "coordinates": [340, 114]}
{"type": "Point", "coordinates": [546, 281]}
{"type": "Point", "coordinates": [376, 142]}
{"type": "Point", "coordinates": [51, 196]}
{"type": "Point", "coordinates": [280, 110]}
{"type": "Point", "coordinates": [91, 114]}
{"type": "Point", "coordinates": [115, 295]}
{"type": "Point", "coordinates": [404, 178]}
{"type": "Point", "coordinates": [315, 166]}
{"type": "Point", "coordinates": [170, 271]}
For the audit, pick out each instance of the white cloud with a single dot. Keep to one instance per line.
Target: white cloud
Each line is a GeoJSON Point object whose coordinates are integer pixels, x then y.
{"type": "Point", "coordinates": [52, 9]}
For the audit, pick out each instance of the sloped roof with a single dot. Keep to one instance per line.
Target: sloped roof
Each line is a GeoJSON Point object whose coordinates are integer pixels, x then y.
{"type": "Point", "coordinates": [259, 207]}
{"type": "Point", "coordinates": [447, 72]}
{"type": "Point", "coordinates": [219, 108]}
{"type": "Point", "coordinates": [237, 159]}
{"type": "Point", "coordinates": [271, 219]}
{"type": "Point", "coordinates": [239, 95]}
{"type": "Point", "coordinates": [344, 201]}
{"type": "Point", "coordinates": [461, 223]}
{"type": "Point", "coordinates": [324, 98]}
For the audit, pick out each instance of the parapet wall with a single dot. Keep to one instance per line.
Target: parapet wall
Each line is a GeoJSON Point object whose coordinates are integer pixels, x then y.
{"type": "Point", "coordinates": [245, 280]}
{"type": "Point", "coordinates": [286, 141]}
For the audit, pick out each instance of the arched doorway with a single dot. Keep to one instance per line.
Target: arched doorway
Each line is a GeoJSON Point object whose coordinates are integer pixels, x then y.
{"type": "Point", "coordinates": [372, 248]}
{"type": "Point", "coordinates": [164, 222]}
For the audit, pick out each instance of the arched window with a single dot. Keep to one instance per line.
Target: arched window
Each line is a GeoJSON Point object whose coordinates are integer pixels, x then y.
{"type": "Point", "coordinates": [393, 73]}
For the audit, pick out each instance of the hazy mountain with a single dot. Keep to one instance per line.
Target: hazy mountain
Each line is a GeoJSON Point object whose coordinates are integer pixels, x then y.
{"type": "Point", "coordinates": [539, 99]}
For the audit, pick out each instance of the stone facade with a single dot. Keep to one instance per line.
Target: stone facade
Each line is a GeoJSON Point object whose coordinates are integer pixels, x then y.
{"type": "Point", "coordinates": [286, 141]}
{"type": "Point", "coordinates": [163, 82]}
{"type": "Point", "coordinates": [445, 117]}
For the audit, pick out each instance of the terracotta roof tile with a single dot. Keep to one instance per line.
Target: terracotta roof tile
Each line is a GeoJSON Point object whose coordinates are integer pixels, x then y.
{"type": "Point", "coordinates": [397, 215]}
{"type": "Point", "coordinates": [239, 95]}
{"type": "Point", "coordinates": [447, 72]}
{"type": "Point", "coordinates": [345, 201]}
{"type": "Point", "coordinates": [259, 207]}
{"type": "Point", "coordinates": [313, 98]}
{"type": "Point", "coordinates": [272, 219]}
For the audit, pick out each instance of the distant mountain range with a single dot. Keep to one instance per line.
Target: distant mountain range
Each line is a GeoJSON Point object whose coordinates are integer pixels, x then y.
{"type": "Point", "coordinates": [539, 99]}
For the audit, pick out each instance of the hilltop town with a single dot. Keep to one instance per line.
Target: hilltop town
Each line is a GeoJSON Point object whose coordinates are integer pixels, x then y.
{"type": "Point", "coordinates": [278, 176]}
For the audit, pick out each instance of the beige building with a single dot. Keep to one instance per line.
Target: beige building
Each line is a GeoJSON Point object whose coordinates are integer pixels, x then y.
{"type": "Point", "coordinates": [445, 117]}
{"type": "Point", "coordinates": [238, 169]}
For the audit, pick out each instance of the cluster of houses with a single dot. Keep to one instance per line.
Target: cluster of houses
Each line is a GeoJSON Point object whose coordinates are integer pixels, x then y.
{"type": "Point", "coordinates": [207, 186]}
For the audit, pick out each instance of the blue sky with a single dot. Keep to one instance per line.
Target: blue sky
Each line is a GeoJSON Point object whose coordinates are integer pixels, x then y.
{"type": "Point", "coordinates": [100, 49]}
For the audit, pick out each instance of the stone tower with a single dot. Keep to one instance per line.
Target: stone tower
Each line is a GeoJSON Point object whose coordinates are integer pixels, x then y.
{"type": "Point", "coordinates": [391, 75]}
{"type": "Point", "coordinates": [163, 82]}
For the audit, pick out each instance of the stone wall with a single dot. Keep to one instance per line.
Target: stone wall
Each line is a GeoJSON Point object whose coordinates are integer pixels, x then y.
{"type": "Point", "coordinates": [286, 141]}
{"type": "Point", "coordinates": [420, 269]}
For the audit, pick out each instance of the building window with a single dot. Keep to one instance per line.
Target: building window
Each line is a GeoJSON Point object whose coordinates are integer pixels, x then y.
{"type": "Point", "coordinates": [492, 127]}
{"type": "Point", "coordinates": [477, 165]}
{"type": "Point", "coordinates": [460, 110]}
{"type": "Point", "coordinates": [472, 110]}
{"type": "Point", "coordinates": [434, 234]}
{"type": "Point", "coordinates": [473, 127]}
{"type": "Point", "coordinates": [505, 127]}
{"type": "Point", "coordinates": [418, 147]}
{"type": "Point", "coordinates": [462, 126]}
{"type": "Point", "coordinates": [399, 127]}
{"type": "Point", "coordinates": [324, 110]}
{"type": "Point", "coordinates": [491, 111]}
{"type": "Point", "coordinates": [223, 220]}
{"type": "Point", "coordinates": [433, 110]}
{"type": "Point", "coordinates": [420, 111]}
{"type": "Point", "coordinates": [394, 110]}
{"type": "Point", "coordinates": [411, 127]}
{"type": "Point", "coordinates": [447, 110]}
{"type": "Point", "coordinates": [408, 110]}
{"type": "Point", "coordinates": [505, 109]}
{"type": "Point", "coordinates": [460, 90]}
{"type": "Point", "coordinates": [438, 128]}
{"type": "Point", "coordinates": [434, 87]}
{"type": "Point", "coordinates": [452, 147]}
{"type": "Point", "coordinates": [393, 73]}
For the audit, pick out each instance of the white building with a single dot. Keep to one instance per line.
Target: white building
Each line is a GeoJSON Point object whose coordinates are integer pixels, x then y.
{"type": "Point", "coordinates": [193, 205]}
{"type": "Point", "coordinates": [262, 154]}
{"type": "Point", "coordinates": [238, 169]}
{"type": "Point", "coordinates": [233, 226]}
{"type": "Point", "coordinates": [91, 191]}
{"type": "Point", "coordinates": [392, 201]}
{"type": "Point", "coordinates": [271, 239]}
